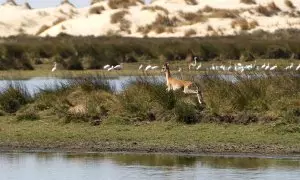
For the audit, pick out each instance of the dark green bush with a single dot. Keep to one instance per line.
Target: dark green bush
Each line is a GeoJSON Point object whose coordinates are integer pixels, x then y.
{"type": "Point", "coordinates": [14, 97]}
{"type": "Point", "coordinates": [28, 116]}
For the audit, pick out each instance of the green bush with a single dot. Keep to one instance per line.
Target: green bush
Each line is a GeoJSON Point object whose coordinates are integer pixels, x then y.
{"type": "Point", "coordinates": [29, 115]}
{"type": "Point", "coordinates": [186, 113]}
{"type": "Point", "coordinates": [14, 97]}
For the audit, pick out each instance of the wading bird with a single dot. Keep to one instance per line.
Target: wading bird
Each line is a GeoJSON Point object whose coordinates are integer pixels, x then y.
{"type": "Point", "coordinates": [193, 64]}
{"type": "Point", "coordinates": [141, 66]}
{"type": "Point", "coordinates": [118, 67]}
{"type": "Point", "coordinates": [106, 66]}
{"type": "Point", "coordinates": [54, 68]}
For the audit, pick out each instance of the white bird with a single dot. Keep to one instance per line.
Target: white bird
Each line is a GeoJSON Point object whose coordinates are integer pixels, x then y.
{"type": "Point", "coordinates": [298, 67]}
{"type": "Point", "coordinates": [179, 69]}
{"type": "Point", "coordinates": [148, 67]}
{"type": "Point", "coordinates": [141, 66]}
{"type": "Point", "coordinates": [263, 66]}
{"type": "Point", "coordinates": [267, 67]}
{"type": "Point", "coordinates": [273, 67]}
{"type": "Point", "coordinates": [54, 68]}
{"type": "Point", "coordinates": [119, 67]}
{"type": "Point", "coordinates": [111, 68]}
{"type": "Point", "coordinates": [106, 66]}
{"type": "Point", "coordinates": [154, 67]}
{"type": "Point", "coordinates": [193, 64]}
{"type": "Point", "coordinates": [291, 66]}
{"type": "Point", "coordinates": [199, 66]}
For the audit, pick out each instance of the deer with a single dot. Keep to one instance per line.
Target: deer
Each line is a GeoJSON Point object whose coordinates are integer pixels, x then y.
{"type": "Point", "coordinates": [175, 84]}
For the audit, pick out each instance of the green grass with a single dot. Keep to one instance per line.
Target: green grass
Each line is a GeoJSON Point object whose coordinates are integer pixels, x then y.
{"type": "Point", "coordinates": [50, 134]}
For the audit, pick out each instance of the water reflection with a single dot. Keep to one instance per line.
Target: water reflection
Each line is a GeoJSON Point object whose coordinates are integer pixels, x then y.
{"type": "Point", "coordinates": [74, 166]}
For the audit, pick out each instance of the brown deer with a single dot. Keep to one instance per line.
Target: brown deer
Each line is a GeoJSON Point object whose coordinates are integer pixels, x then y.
{"type": "Point", "coordinates": [175, 84]}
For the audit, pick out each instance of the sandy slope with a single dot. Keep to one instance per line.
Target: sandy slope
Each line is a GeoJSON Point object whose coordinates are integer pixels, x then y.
{"type": "Point", "coordinates": [17, 19]}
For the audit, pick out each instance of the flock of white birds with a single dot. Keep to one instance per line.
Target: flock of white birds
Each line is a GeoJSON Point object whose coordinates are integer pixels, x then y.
{"type": "Point", "coordinates": [238, 67]}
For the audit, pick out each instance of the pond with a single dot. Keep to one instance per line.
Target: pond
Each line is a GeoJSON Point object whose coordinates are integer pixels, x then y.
{"type": "Point", "coordinates": [73, 166]}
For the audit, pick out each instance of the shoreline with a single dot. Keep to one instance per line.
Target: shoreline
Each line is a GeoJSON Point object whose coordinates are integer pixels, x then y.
{"type": "Point", "coordinates": [154, 152]}
{"type": "Point", "coordinates": [204, 150]}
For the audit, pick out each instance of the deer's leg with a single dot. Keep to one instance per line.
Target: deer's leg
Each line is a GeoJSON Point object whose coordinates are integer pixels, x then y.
{"type": "Point", "coordinates": [198, 92]}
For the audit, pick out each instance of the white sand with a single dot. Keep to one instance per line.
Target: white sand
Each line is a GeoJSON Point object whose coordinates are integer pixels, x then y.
{"type": "Point", "coordinates": [17, 19]}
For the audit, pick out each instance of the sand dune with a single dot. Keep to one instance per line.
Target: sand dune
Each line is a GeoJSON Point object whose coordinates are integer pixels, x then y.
{"type": "Point", "coordinates": [161, 18]}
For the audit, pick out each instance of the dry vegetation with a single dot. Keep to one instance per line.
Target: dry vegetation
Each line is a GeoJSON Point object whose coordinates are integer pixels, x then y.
{"type": "Point", "coordinates": [58, 21]}
{"type": "Point", "coordinates": [116, 4]}
{"type": "Point", "coordinates": [190, 33]}
{"type": "Point", "coordinates": [244, 24]}
{"type": "Point", "coordinates": [156, 8]}
{"type": "Point", "coordinates": [219, 13]}
{"type": "Point", "coordinates": [160, 25]}
{"type": "Point", "coordinates": [96, 1]}
{"type": "Point", "coordinates": [210, 28]}
{"type": "Point", "coordinates": [223, 13]}
{"type": "Point", "coordinates": [273, 7]}
{"type": "Point", "coordinates": [269, 10]}
{"type": "Point", "coordinates": [96, 10]}
{"type": "Point", "coordinates": [253, 24]}
{"type": "Point", "coordinates": [119, 17]}
{"type": "Point", "coordinates": [289, 4]}
{"type": "Point", "coordinates": [193, 18]}
{"type": "Point", "coordinates": [191, 2]}
{"type": "Point", "coordinates": [248, 1]}
{"type": "Point", "coordinates": [207, 9]}
{"type": "Point", "coordinates": [42, 29]}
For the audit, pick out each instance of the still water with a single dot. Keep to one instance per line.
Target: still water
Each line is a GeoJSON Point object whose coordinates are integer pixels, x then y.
{"type": "Point", "coordinates": [33, 85]}
{"type": "Point", "coordinates": [57, 166]}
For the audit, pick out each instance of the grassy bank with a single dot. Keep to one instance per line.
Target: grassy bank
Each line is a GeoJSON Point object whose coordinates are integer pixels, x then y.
{"type": "Point", "coordinates": [51, 134]}
{"type": "Point", "coordinates": [256, 113]}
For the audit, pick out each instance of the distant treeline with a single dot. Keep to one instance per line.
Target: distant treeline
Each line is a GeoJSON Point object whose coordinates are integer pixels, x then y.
{"type": "Point", "coordinates": [22, 52]}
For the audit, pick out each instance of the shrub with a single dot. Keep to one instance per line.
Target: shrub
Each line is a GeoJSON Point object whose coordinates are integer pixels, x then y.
{"type": "Point", "coordinates": [73, 63]}
{"type": "Point", "coordinates": [276, 52]}
{"type": "Point", "coordinates": [223, 13]}
{"type": "Point", "coordinates": [190, 32]}
{"type": "Point", "coordinates": [116, 4]}
{"type": "Point", "coordinates": [95, 1]}
{"type": "Point", "coordinates": [186, 113]}
{"type": "Point", "coordinates": [266, 11]}
{"type": "Point", "coordinates": [14, 97]}
{"type": "Point", "coordinates": [253, 24]}
{"type": "Point", "coordinates": [42, 29]}
{"type": "Point", "coordinates": [156, 8]}
{"type": "Point", "coordinates": [207, 9]}
{"type": "Point", "coordinates": [248, 1]}
{"type": "Point", "coordinates": [96, 9]}
{"type": "Point", "coordinates": [210, 28]}
{"type": "Point", "coordinates": [118, 16]}
{"type": "Point", "coordinates": [58, 20]}
{"type": "Point", "coordinates": [191, 2]}
{"type": "Point", "coordinates": [289, 4]}
{"type": "Point", "coordinates": [242, 23]}
{"type": "Point", "coordinates": [29, 115]}
{"type": "Point", "coordinates": [272, 6]}
{"type": "Point", "coordinates": [193, 17]}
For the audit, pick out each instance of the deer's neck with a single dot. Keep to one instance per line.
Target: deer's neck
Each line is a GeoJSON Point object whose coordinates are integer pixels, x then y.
{"type": "Point", "coordinates": [168, 74]}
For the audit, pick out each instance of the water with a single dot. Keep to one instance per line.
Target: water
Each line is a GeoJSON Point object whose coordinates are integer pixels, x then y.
{"type": "Point", "coordinates": [35, 84]}
{"type": "Point", "coordinates": [54, 166]}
